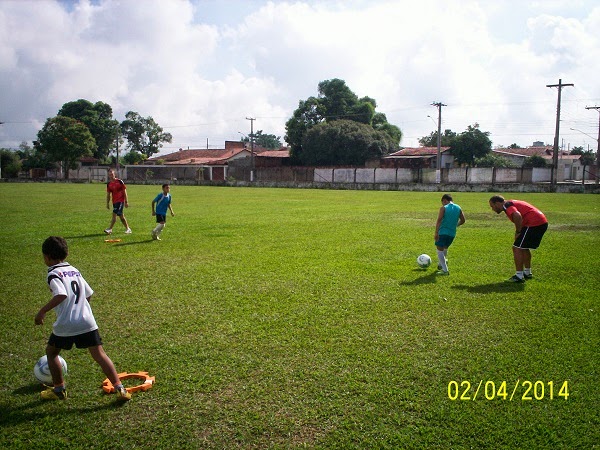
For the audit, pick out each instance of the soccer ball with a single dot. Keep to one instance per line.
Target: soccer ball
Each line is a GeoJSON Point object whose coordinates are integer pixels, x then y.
{"type": "Point", "coordinates": [424, 261]}
{"type": "Point", "coordinates": [42, 371]}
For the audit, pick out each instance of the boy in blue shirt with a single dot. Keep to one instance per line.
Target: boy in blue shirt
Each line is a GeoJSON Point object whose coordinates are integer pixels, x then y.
{"type": "Point", "coordinates": [449, 218]}
{"type": "Point", "coordinates": [160, 204]}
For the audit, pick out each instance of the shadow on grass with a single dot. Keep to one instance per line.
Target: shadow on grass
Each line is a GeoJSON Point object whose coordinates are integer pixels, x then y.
{"type": "Point", "coordinates": [122, 244]}
{"type": "Point", "coordinates": [428, 278]}
{"type": "Point", "coordinates": [28, 412]}
{"type": "Point", "coordinates": [83, 236]}
{"type": "Point", "coordinates": [491, 288]}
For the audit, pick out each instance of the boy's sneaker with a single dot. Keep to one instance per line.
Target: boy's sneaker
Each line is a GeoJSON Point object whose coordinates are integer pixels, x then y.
{"type": "Point", "coordinates": [108, 231]}
{"type": "Point", "coordinates": [128, 231]}
{"type": "Point", "coordinates": [50, 394]}
{"type": "Point", "coordinates": [153, 234]}
{"type": "Point", "coordinates": [515, 279]}
{"type": "Point", "coordinates": [123, 395]}
{"type": "Point", "coordinates": [527, 276]}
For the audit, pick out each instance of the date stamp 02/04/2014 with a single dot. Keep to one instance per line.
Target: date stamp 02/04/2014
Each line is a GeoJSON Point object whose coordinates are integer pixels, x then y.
{"type": "Point", "coordinates": [523, 390]}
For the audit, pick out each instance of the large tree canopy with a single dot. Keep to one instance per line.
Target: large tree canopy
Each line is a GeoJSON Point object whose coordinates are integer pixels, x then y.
{"type": "Point", "coordinates": [471, 145]}
{"type": "Point", "coordinates": [431, 140]}
{"type": "Point", "coordinates": [335, 102]}
{"type": "Point", "coordinates": [269, 141]}
{"type": "Point", "coordinates": [64, 140]}
{"type": "Point", "coordinates": [98, 118]}
{"type": "Point", "coordinates": [344, 142]}
{"type": "Point", "coordinates": [143, 134]}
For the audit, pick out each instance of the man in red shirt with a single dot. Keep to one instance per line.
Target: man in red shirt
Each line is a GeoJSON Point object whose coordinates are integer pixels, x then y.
{"type": "Point", "coordinates": [530, 226]}
{"type": "Point", "coordinates": [118, 190]}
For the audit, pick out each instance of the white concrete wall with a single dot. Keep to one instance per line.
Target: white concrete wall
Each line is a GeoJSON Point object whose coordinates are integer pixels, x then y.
{"type": "Point", "coordinates": [541, 174]}
{"type": "Point", "coordinates": [505, 175]}
{"type": "Point", "coordinates": [324, 175]}
{"type": "Point", "coordinates": [365, 175]}
{"type": "Point", "coordinates": [479, 175]}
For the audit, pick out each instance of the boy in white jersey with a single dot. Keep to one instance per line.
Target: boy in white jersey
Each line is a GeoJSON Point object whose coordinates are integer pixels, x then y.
{"type": "Point", "coordinates": [449, 218]}
{"type": "Point", "coordinates": [75, 323]}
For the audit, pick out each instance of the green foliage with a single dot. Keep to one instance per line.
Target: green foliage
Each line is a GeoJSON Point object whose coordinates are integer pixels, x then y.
{"type": "Point", "coordinates": [588, 158]}
{"type": "Point", "coordinates": [535, 161]}
{"type": "Point", "coordinates": [470, 145]}
{"type": "Point", "coordinates": [143, 134]}
{"type": "Point", "coordinates": [577, 151]}
{"type": "Point", "coordinates": [344, 142]}
{"type": "Point", "coordinates": [10, 163]}
{"type": "Point", "coordinates": [492, 160]}
{"type": "Point", "coordinates": [98, 118]}
{"type": "Point", "coordinates": [319, 332]}
{"type": "Point", "coordinates": [64, 140]}
{"type": "Point", "coordinates": [335, 101]}
{"type": "Point", "coordinates": [134, 157]}
{"type": "Point", "coordinates": [269, 141]}
{"type": "Point", "coordinates": [431, 141]}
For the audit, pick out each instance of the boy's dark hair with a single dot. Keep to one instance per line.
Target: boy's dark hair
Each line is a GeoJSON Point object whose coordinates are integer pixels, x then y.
{"type": "Point", "coordinates": [497, 199]}
{"type": "Point", "coordinates": [165, 185]}
{"type": "Point", "coordinates": [56, 248]}
{"type": "Point", "coordinates": [447, 197]}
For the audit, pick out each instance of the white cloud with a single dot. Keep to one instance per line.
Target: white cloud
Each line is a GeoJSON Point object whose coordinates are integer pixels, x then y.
{"type": "Point", "coordinates": [201, 67]}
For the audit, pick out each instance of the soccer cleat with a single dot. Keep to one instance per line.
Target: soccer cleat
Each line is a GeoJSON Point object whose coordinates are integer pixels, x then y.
{"type": "Point", "coordinates": [442, 272]}
{"type": "Point", "coordinates": [128, 231]}
{"type": "Point", "coordinates": [157, 237]}
{"type": "Point", "coordinates": [123, 395]}
{"type": "Point", "coordinates": [108, 231]}
{"type": "Point", "coordinates": [50, 394]}
{"type": "Point", "coordinates": [515, 279]}
{"type": "Point", "coordinates": [527, 276]}
{"type": "Point", "coordinates": [153, 234]}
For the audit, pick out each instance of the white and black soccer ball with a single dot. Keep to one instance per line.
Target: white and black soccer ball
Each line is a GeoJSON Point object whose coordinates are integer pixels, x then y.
{"type": "Point", "coordinates": [424, 261]}
{"type": "Point", "coordinates": [42, 371]}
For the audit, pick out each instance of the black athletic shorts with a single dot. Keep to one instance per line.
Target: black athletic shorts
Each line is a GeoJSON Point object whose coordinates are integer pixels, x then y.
{"type": "Point", "coordinates": [160, 218]}
{"type": "Point", "coordinates": [118, 208]}
{"type": "Point", "coordinates": [530, 237]}
{"type": "Point", "coordinates": [85, 340]}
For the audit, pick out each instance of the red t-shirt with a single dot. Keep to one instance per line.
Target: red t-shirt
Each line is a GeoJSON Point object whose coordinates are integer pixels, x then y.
{"type": "Point", "coordinates": [117, 188]}
{"type": "Point", "coordinates": [532, 217]}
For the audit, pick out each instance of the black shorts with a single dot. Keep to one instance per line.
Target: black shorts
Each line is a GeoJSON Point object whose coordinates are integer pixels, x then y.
{"type": "Point", "coordinates": [160, 218]}
{"type": "Point", "coordinates": [530, 237]}
{"type": "Point", "coordinates": [118, 208]}
{"type": "Point", "coordinates": [85, 340]}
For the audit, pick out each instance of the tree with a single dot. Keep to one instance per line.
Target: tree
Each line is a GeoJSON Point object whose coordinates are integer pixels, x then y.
{"type": "Point", "coordinates": [143, 134]}
{"type": "Point", "coordinates": [491, 160]}
{"type": "Point", "coordinates": [587, 158]}
{"type": "Point", "coordinates": [577, 151]}
{"type": "Point", "coordinates": [431, 140]}
{"type": "Point", "coordinates": [535, 161]}
{"type": "Point", "coordinates": [470, 145]}
{"type": "Point", "coordinates": [10, 163]}
{"type": "Point", "coordinates": [344, 142]}
{"type": "Point", "coordinates": [514, 145]}
{"type": "Point", "coordinates": [98, 118]}
{"type": "Point", "coordinates": [64, 140]}
{"type": "Point", "coordinates": [335, 101]}
{"type": "Point", "coordinates": [269, 141]}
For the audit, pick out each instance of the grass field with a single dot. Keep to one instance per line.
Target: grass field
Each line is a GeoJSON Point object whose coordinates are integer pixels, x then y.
{"type": "Point", "coordinates": [280, 318]}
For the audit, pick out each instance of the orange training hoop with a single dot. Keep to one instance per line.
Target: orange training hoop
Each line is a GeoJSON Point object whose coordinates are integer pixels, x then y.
{"type": "Point", "coordinates": [108, 387]}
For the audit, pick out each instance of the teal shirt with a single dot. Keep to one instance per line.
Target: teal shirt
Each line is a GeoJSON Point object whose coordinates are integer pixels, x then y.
{"type": "Point", "coordinates": [450, 220]}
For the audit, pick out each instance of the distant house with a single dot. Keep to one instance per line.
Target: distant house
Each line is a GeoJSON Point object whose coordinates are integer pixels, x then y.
{"type": "Point", "coordinates": [418, 158]}
{"type": "Point", "coordinates": [216, 162]}
{"type": "Point", "coordinates": [569, 167]}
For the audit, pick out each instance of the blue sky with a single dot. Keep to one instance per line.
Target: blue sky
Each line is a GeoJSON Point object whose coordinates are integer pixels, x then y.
{"type": "Point", "coordinates": [199, 68]}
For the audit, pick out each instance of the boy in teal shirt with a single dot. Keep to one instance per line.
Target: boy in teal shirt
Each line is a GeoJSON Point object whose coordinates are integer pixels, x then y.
{"type": "Point", "coordinates": [162, 202]}
{"type": "Point", "coordinates": [449, 219]}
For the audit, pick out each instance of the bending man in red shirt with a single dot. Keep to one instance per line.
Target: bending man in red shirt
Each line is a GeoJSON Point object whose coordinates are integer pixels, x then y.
{"type": "Point", "coordinates": [530, 226]}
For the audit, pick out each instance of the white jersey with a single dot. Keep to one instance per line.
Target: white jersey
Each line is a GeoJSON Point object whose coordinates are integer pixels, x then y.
{"type": "Point", "coordinates": [73, 315]}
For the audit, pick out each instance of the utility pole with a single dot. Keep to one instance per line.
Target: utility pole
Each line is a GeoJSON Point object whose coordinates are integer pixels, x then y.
{"type": "Point", "coordinates": [597, 108]}
{"type": "Point", "coordinates": [560, 85]}
{"type": "Point", "coordinates": [1, 160]}
{"type": "Point", "coordinates": [251, 119]}
{"type": "Point", "coordinates": [438, 169]}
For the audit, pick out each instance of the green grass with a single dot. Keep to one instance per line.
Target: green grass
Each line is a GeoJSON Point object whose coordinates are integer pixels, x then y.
{"type": "Point", "coordinates": [279, 318]}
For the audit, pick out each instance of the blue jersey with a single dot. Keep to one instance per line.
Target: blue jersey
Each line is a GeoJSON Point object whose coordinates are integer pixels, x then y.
{"type": "Point", "coordinates": [450, 219]}
{"type": "Point", "coordinates": [162, 203]}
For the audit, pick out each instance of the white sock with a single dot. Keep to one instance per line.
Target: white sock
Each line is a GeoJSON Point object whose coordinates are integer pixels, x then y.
{"type": "Point", "coordinates": [527, 271]}
{"type": "Point", "coordinates": [442, 260]}
{"type": "Point", "coordinates": [519, 274]}
{"type": "Point", "coordinates": [159, 228]}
